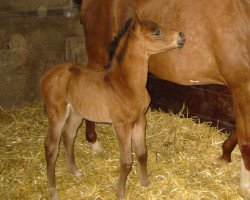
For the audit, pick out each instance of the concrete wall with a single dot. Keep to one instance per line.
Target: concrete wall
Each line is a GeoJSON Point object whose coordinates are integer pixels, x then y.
{"type": "Point", "coordinates": [29, 44]}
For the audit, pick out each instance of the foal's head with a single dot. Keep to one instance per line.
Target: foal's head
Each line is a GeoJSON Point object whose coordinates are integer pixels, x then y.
{"type": "Point", "coordinates": [155, 38]}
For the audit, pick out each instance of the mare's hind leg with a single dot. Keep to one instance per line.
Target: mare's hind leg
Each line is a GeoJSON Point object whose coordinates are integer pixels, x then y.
{"type": "Point", "coordinates": [228, 146]}
{"type": "Point", "coordinates": [91, 137]}
{"type": "Point", "coordinates": [69, 133]}
{"type": "Point", "coordinates": [241, 102]}
{"type": "Point", "coordinates": [139, 143]}
{"type": "Point", "coordinates": [123, 133]}
{"type": "Point", "coordinates": [57, 115]}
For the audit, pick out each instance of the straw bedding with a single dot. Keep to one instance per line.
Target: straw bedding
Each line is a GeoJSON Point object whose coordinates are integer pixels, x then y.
{"type": "Point", "coordinates": [182, 161]}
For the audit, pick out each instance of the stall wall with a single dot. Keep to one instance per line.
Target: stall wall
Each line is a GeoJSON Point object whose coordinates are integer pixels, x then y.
{"type": "Point", "coordinates": [33, 37]}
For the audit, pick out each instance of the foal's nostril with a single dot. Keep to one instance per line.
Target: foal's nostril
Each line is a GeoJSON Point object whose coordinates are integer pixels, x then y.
{"type": "Point", "coordinates": [181, 35]}
{"type": "Point", "coordinates": [181, 40]}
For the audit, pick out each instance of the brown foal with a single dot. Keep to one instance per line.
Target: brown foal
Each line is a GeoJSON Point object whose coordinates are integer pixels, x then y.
{"type": "Point", "coordinates": [117, 95]}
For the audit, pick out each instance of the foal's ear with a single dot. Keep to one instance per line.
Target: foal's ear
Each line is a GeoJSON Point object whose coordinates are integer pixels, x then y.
{"type": "Point", "coordinates": [137, 21]}
{"type": "Point", "coordinates": [137, 16]}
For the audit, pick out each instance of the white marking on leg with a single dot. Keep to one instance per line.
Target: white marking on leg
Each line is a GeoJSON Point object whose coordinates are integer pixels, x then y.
{"type": "Point", "coordinates": [77, 173]}
{"type": "Point", "coordinates": [96, 148]}
{"type": "Point", "coordinates": [244, 177]}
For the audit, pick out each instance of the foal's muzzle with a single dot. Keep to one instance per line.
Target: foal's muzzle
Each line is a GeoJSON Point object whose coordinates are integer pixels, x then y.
{"type": "Point", "coordinates": [181, 40]}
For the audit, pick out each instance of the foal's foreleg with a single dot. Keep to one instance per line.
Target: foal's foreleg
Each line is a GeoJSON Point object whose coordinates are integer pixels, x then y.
{"type": "Point", "coordinates": [123, 133]}
{"type": "Point", "coordinates": [139, 143]}
{"type": "Point", "coordinates": [69, 133]}
{"type": "Point", "coordinates": [56, 117]}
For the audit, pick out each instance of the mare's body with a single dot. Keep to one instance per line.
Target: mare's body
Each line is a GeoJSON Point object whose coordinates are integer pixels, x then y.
{"type": "Point", "coordinates": [217, 50]}
{"type": "Point", "coordinates": [118, 95]}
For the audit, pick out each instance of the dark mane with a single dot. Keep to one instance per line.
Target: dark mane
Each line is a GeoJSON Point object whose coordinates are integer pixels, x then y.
{"type": "Point", "coordinates": [114, 44]}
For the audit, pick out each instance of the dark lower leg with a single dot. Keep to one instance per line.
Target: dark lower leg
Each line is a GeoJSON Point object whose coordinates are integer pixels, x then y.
{"type": "Point", "coordinates": [142, 159]}
{"type": "Point", "coordinates": [228, 146]}
{"type": "Point", "coordinates": [245, 153]}
{"type": "Point", "coordinates": [91, 135]}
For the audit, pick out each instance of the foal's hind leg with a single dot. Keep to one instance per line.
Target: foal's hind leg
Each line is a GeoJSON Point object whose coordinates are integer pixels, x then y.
{"type": "Point", "coordinates": [123, 133]}
{"type": "Point", "coordinates": [91, 136]}
{"type": "Point", "coordinates": [139, 143]}
{"type": "Point", "coordinates": [57, 115]}
{"type": "Point", "coordinates": [69, 133]}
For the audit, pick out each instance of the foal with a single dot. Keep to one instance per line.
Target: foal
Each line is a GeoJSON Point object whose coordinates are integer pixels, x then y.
{"type": "Point", "coordinates": [117, 95]}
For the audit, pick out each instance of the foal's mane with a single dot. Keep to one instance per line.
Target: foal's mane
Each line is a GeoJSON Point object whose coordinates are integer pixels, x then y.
{"type": "Point", "coordinates": [115, 42]}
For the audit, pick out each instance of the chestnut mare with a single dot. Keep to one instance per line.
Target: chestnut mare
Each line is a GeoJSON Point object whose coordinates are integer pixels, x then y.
{"type": "Point", "coordinates": [117, 95]}
{"type": "Point", "coordinates": [217, 51]}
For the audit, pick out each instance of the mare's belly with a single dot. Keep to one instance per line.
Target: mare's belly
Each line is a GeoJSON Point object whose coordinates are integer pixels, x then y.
{"type": "Point", "coordinates": [184, 68]}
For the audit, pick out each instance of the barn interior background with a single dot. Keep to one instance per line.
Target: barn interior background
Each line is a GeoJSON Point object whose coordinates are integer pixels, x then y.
{"type": "Point", "coordinates": [35, 35]}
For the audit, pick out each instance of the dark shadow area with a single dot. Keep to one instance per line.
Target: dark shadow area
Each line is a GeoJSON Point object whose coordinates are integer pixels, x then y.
{"type": "Point", "coordinates": [211, 103]}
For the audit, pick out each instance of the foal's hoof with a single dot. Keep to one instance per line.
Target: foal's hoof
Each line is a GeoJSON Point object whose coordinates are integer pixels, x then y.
{"type": "Point", "coordinates": [53, 194]}
{"type": "Point", "coordinates": [75, 172]}
{"type": "Point", "coordinates": [96, 148]}
{"type": "Point", "coordinates": [55, 197]}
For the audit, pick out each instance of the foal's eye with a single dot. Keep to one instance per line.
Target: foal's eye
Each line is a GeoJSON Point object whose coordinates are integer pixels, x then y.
{"type": "Point", "coordinates": [157, 33]}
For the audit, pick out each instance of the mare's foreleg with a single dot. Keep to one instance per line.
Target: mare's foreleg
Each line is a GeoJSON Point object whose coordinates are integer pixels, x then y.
{"type": "Point", "coordinates": [123, 133]}
{"type": "Point", "coordinates": [139, 143]}
{"type": "Point", "coordinates": [69, 133]}
{"type": "Point", "coordinates": [91, 136]}
{"type": "Point", "coordinates": [228, 146]}
{"type": "Point", "coordinates": [241, 102]}
{"type": "Point", "coordinates": [57, 115]}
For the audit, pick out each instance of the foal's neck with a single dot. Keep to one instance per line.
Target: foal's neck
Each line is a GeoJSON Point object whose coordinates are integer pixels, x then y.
{"type": "Point", "coordinates": [130, 62]}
